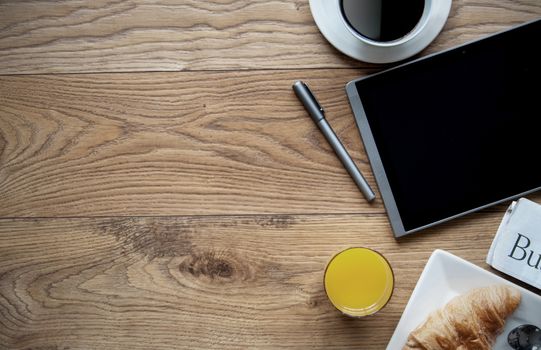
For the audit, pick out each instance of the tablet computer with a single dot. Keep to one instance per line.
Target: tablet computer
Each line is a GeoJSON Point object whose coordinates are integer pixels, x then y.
{"type": "Point", "coordinates": [454, 132]}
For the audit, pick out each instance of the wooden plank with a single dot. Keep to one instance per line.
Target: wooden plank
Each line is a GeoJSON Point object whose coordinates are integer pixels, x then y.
{"type": "Point", "coordinates": [136, 35]}
{"type": "Point", "coordinates": [174, 144]}
{"type": "Point", "coordinates": [204, 282]}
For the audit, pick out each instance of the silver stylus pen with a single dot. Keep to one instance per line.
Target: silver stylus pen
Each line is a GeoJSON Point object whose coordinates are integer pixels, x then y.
{"type": "Point", "coordinates": [317, 114]}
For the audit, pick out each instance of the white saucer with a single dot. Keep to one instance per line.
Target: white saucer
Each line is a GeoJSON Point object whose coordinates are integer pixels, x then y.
{"type": "Point", "coordinates": [327, 16]}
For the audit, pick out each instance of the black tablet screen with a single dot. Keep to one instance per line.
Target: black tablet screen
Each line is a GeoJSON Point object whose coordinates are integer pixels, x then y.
{"type": "Point", "coordinates": [461, 129]}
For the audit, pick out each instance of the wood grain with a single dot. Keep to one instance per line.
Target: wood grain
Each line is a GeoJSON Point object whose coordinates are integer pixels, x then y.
{"type": "Point", "coordinates": [174, 144]}
{"type": "Point", "coordinates": [170, 35]}
{"type": "Point", "coordinates": [203, 282]}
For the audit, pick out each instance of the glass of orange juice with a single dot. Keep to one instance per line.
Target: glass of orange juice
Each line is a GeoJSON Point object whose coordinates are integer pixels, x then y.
{"type": "Point", "coordinates": [359, 281]}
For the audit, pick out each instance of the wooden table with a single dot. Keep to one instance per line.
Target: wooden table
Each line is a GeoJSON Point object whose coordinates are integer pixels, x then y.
{"type": "Point", "coordinates": [161, 186]}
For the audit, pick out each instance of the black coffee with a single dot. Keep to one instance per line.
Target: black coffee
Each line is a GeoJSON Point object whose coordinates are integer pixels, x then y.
{"type": "Point", "coordinates": [382, 20]}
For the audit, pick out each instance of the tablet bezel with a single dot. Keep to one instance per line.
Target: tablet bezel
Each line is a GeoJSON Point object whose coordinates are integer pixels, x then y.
{"type": "Point", "coordinates": [378, 169]}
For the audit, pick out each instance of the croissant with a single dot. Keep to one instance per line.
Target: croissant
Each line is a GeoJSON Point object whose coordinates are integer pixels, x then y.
{"type": "Point", "coordinates": [468, 322]}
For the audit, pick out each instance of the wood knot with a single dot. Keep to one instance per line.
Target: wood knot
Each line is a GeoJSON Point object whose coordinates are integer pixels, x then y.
{"type": "Point", "coordinates": [219, 268]}
{"type": "Point", "coordinates": [216, 266]}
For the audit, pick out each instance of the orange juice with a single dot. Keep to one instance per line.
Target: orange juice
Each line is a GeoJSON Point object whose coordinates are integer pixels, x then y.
{"type": "Point", "coordinates": [359, 281]}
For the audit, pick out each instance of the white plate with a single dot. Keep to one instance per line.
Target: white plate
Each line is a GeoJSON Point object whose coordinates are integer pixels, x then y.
{"type": "Point", "coordinates": [446, 276]}
{"type": "Point", "coordinates": [328, 19]}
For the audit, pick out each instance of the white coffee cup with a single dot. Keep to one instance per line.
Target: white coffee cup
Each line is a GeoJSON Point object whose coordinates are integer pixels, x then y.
{"type": "Point", "coordinates": [423, 26]}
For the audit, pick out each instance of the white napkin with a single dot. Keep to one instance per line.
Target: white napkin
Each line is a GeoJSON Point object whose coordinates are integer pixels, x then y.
{"type": "Point", "coordinates": [516, 249]}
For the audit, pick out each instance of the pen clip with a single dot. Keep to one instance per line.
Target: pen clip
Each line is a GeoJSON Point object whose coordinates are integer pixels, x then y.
{"type": "Point", "coordinates": [314, 98]}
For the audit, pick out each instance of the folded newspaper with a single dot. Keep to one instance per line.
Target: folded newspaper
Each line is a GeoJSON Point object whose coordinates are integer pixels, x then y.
{"type": "Point", "coordinates": [516, 249]}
